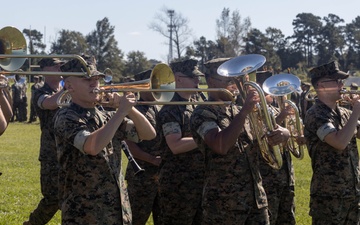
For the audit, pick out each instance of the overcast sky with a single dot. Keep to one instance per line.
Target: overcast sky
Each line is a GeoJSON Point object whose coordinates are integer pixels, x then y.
{"type": "Point", "coordinates": [132, 18]}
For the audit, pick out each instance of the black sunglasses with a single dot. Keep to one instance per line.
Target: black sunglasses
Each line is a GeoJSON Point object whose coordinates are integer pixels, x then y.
{"type": "Point", "coordinates": [338, 81]}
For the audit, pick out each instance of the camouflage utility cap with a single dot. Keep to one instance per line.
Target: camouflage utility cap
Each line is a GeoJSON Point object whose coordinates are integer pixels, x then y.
{"type": "Point", "coordinates": [47, 62]}
{"type": "Point", "coordinates": [75, 65]}
{"type": "Point", "coordinates": [329, 70]}
{"type": "Point", "coordinates": [354, 85]}
{"type": "Point", "coordinates": [211, 66]}
{"type": "Point", "coordinates": [142, 75]}
{"type": "Point", "coordinates": [187, 67]}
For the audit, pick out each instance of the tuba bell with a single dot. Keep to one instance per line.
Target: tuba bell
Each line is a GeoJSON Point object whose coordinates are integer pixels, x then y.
{"type": "Point", "coordinates": [281, 85]}
{"type": "Point", "coordinates": [244, 68]}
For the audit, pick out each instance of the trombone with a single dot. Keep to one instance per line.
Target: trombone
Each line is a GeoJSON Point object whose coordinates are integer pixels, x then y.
{"type": "Point", "coordinates": [261, 120]}
{"type": "Point", "coordinates": [281, 85]}
{"type": "Point", "coordinates": [13, 55]}
{"type": "Point", "coordinates": [161, 84]}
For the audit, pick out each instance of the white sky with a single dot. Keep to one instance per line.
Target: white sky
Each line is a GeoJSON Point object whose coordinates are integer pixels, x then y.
{"type": "Point", "coordinates": [131, 18]}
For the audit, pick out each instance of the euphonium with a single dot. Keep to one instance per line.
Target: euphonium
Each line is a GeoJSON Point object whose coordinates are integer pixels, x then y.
{"type": "Point", "coordinates": [261, 121]}
{"type": "Point", "coordinates": [279, 86]}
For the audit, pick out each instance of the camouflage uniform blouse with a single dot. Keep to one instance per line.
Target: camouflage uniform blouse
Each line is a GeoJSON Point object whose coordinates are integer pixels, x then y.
{"type": "Point", "coordinates": [93, 187]}
{"type": "Point", "coordinates": [152, 146]}
{"type": "Point", "coordinates": [47, 143]}
{"type": "Point", "coordinates": [232, 181]}
{"type": "Point", "coordinates": [335, 173]}
{"type": "Point", "coordinates": [178, 115]}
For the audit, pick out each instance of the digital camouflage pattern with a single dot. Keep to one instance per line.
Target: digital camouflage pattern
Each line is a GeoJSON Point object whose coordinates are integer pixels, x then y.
{"type": "Point", "coordinates": [279, 186]}
{"type": "Point", "coordinates": [233, 191]}
{"type": "Point", "coordinates": [330, 69]}
{"type": "Point", "coordinates": [211, 66]}
{"type": "Point", "coordinates": [93, 188]}
{"type": "Point", "coordinates": [49, 168]}
{"type": "Point", "coordinates": [187, 67]}
{"type": "Point", "coordinates": [75, 65]}
{"type": "Point", "coordinates": [181, 176]}
{"type": "Point", "coordinates": [143, 187]}
{"type": "Point", "coordinates": [335, 173]}
{"type": "Point", "coordinates": [48, 62]}
{"type": "Point", "coordinates": [143, 75]}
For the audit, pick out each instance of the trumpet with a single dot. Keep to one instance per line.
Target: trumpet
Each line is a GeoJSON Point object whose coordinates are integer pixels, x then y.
{"type": "Point", "coordinates": [261, 120]}
{"type": "Point", "coordinates": [281, 85]}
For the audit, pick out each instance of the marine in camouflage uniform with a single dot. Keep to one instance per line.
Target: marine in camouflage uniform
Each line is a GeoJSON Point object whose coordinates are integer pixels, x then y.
{"type": "Point", "coordinates": [279, 185]}
{"type": "Point", "coordinates": [18, 91]}
{"type": "Point", "coordinates": [143, 187]}
{"type": "Point", "coordinates": [93, 189]}
{"type": "Point", "coordinates": [233, 192]}
{"type": "Point", "coordinates": [331, 133]}
{"type": "Point", "coordinates": [49, 167]}
{"type": "Point", "coordinates": [35, 86]}
{"type": "Point", "coordinates": [182, 170]}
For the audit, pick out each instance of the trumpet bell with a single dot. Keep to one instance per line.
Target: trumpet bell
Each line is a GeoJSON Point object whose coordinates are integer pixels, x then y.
{"type": "Point", "coordinates": [281, 84]}
{"type": "Point", "coordinates": [12, 42]}
{"type": "Point", "coordinates": [241, 65]}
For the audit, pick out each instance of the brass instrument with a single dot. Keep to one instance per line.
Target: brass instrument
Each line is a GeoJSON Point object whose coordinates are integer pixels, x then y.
{"type": "Point", "coordinates": [261, 121]}
{"type": "Point", "coordinates": [13, 55]}
{"type": "Point", "coordinates": [351, 92]}
{"type": "Point", "coordinates": [281, 85]}
{"type": "Point", "coordinates": [161, 84]}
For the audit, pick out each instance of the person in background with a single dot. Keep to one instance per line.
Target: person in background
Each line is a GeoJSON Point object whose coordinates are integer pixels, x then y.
{"type": "Point", "coordinates": [233, 193]}
{"type": "Point", "coordinates": [35, 86]}
{"type": "Point", "coordinates": [44, 101]}
{"type": "Point", "coordinates": [91, 184]}
{"type": "Point", "coordinates": [182, 169]}
{"type": "Point", "coordinates": [143, 187]}
{"type": "Point", "coordinates": [331, 132]}
{"type": "Point", "coordinates": [279, 184]}
{"type": "Point", "coordinates": [18, 91]}
{"type": "Point", "coordinates": [304, 104]}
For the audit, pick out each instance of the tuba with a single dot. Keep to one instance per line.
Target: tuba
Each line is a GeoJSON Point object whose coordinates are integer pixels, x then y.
{"type": "Point", "coordinates": [281, 85]}
{"type": "Point", "coordinates": [261, 120]}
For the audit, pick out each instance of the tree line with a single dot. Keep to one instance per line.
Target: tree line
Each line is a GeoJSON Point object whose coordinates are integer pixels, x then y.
{"type": "Point", "coordinates": [315, 41]}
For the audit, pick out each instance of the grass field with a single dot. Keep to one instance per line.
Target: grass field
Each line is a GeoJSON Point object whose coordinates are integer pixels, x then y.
{"type": "Point", "coordinates": [20, 188]}
{"type": "Point", "coordinates": [20, 185]}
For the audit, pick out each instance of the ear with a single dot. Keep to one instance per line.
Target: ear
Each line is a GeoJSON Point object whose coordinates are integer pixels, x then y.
{"type": "Point", "coordinates": [68, 86]}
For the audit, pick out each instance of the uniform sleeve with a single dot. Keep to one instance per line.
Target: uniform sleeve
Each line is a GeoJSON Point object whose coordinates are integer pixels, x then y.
{"type": "Point", "coordinates": [127, 130]}
{"type": "Point", "coordinates": [324, 130]}
{"type": "Point", "coordinates": [69, 128]}
{"type": "Point", "coordinates": [203, 121]}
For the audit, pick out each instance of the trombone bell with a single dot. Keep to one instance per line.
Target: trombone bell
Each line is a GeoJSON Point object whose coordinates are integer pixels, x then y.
{"type": "Point", "coordinates": [12, 42]}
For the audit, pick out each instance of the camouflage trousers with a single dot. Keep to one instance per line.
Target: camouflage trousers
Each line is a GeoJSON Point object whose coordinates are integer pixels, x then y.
{"type": "Point", "coordinates": [49, 204]}
{"type": "Point", "coordinates": [281, 204]}
{"type": "Point", "coordinates": [335, 210]}
{"type": "Point", "coordinates": [180, 204]}
{"type": "Point", "coordinates": [211, 215]}
{"type": "Point", "coordinates": [144, 198]}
